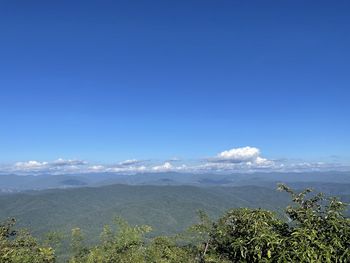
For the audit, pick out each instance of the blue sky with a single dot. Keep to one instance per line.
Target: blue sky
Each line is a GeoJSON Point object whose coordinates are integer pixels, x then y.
{"type": "Point", "coordinates": [107, 81]}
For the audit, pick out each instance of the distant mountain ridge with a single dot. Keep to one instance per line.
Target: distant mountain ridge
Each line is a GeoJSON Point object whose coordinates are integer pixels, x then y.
{"type": "Point", "coordinates": [16, 183]}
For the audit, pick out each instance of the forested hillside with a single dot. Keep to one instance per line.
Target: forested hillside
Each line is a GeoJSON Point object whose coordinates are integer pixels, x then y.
{"type": "Point", "coordinates": [168, 209]}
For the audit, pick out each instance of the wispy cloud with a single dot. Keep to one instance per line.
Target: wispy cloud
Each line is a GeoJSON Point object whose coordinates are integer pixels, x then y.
{"type": "Point", "coordinates": [131, 162]}
{"type": "Point", "coordinates": [63, 162]}
{"type": "Point", "coordinates": [174, 159]}
{"type": "Point", "coordinates": [57, 166]}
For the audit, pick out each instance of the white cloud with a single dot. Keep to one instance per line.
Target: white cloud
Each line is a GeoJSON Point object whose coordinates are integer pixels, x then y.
{"type": "Point", "coordinates": [263, 161]}
{"type": "Point", "coordinates": [30, 165]}
{"type": "Point", "coordinates": [174, 159]}
{"type": "Point", "coordinates": [130, 162]}
{"type": "Point", "coordinates": [127, 169]}
{"type": "Point", "coordinates": [164, 167]}
{"type": "Point", "coordinates": [238, 155]}
{"type": "Point", "coordinates": [141, 168]}
{"type": "Point", "coordinates": [241, 158]}
{"type": "Point", "coordinates": [58, 166]}
{"type": "Point", "coordinates": [63, 162]}
{"type": "Point", "coordinates": [97, 168]}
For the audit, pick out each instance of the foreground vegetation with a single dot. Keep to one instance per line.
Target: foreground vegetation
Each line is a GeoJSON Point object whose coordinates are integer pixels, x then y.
{"type": "Point", "coordinates": [316, 231]}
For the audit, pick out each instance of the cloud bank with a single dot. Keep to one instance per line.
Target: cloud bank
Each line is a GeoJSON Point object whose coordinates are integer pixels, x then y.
{"type": "Point", "coordinates": [236, 160]}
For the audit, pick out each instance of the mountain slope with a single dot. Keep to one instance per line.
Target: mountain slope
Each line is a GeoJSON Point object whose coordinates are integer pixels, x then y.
{"type": "Point", "coordinates": [169, 209]}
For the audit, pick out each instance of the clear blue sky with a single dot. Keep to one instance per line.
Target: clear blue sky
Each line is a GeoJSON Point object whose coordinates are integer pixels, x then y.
{"type": "Point", "coordinates": [114, 80]}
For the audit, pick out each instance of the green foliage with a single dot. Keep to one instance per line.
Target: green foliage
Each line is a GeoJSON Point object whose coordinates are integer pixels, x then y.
{"type": "Point", "coordinates": [54, 240]}
{"type": "Point", "coordinates": [124, 245]}
{"type": "Point", "coordinates": [78, 249]}
{"type": "Point", "coordinates": [127, 245]}
{"type": "Point", "coordinates": [21, 247]}
{"type": "Point", "coordinates": [249, 235]}
{"type": "Point", "coordinates": [318, 231]}
{"type": "Point", "coordinates": [165, 250]}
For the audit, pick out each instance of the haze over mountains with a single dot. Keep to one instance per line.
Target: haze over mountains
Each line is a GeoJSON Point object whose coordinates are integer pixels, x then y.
{"type": "Point", "coordinates": [15, 183]}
